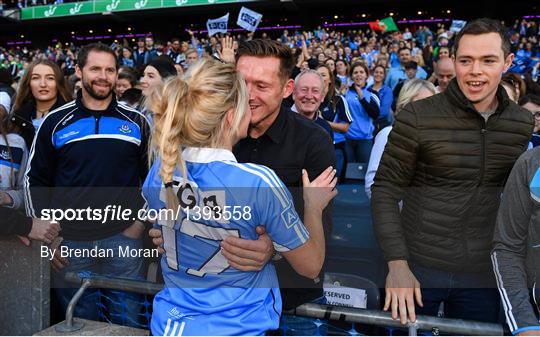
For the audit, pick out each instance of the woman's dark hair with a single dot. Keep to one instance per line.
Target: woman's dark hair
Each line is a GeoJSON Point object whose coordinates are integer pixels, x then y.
{"type": "Point", "coordinates": [516, 82]}
{"type": "Point", "coordinates": [331, 94]}
{"type": "Point", "coordinates": [130, 77]}
{"type": "Point", "coordinates": [356, 65]}
{"type": "Point", "coordinates": [5, 77]}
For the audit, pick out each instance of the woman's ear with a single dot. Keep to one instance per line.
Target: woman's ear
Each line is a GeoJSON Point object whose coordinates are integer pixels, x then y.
{"type": "Point", "coordinates": [229, 118]}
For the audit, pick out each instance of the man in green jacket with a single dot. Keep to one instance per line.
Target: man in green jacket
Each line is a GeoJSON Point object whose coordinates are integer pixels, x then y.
{"type": "Point", "coordinates": [447, 159]}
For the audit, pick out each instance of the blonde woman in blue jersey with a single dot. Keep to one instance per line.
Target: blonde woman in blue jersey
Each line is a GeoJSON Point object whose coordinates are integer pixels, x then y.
{"type": "Point", "coordinates": [198, 120]}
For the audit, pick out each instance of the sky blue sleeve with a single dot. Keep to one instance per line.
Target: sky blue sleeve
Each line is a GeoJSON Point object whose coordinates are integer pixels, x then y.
{"type": "Point", "coordinates": [276, 212]}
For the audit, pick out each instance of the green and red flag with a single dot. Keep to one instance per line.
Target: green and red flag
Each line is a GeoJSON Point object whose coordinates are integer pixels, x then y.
{"type": "Point", "coordinates": [384, 25]}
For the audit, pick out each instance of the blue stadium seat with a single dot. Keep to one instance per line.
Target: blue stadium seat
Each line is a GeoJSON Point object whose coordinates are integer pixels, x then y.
{"type": "Point", "coordinates": [356, 171]}
{"type": "Point", "coordinates": [352, 247]}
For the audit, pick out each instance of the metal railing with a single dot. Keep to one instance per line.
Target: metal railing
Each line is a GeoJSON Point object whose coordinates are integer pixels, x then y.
{"type": "Point", "coordinates": [382, 318]}
{"type": "Point", "coordinates": [328, 312]}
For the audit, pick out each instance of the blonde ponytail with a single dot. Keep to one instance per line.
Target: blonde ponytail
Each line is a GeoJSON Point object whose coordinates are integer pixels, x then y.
{"type": "Point", "coordinates": [190, 112]}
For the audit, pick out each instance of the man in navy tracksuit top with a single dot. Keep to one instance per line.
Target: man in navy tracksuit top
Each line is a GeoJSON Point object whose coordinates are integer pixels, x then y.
{"type": "Point", "coordinates": [92, 152]}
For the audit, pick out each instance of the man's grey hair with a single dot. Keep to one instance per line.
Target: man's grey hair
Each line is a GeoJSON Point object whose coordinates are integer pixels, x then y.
{"type": "Point", "coordinates": [308, 71]}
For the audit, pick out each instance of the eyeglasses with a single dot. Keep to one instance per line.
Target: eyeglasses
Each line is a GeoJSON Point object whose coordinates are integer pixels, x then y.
{"type": "Point", "coordinates": [536, 115]}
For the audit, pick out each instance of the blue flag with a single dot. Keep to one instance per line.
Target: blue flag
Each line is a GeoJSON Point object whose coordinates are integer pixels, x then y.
{"type": "Point", "coordinates": [522, 64]}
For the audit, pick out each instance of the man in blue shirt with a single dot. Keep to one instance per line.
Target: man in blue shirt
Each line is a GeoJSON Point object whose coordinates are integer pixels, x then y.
{"type": "Point", "coordinates": [398, 73]}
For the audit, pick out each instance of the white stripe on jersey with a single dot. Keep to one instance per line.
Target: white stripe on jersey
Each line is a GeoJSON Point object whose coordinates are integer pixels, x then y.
{"type": "Point", "coordinates": [347, 111]}
{"type": "Point", "coordinates": [276, 189]}
{"type": "Point", "coordinates": [376, 99]}
{"type": "Point", "coordinates": [127, 107]}
{"type": "Point", "coordinates": [175, 326]}
{"type": "Point", "coordinates": [300, 230]}
{"type": "Point", "coordinates": [108, 136]}
{"type": "Point", "coordinates": [273, 177]}
{"type": "Point", "coordinates": [504, 296]}
{"type": "Point", "coordinates": [280, 248]}
{"type": "Point", "coordinates": [181, 331]}
{"type": "Point", "coordinates": [300, 234]}
{"type": "Point", "coordinates": [167, 328]}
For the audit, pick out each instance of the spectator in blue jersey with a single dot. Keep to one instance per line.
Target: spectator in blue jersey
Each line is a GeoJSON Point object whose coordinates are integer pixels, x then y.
{"type": "Point", "coordinates": [127, 57]}
{"type": "Point", "coordinates": [365, 108]}
{"type": "Point", "coordinates": [531, 102]}
{"type": "Point", "coordinates": [92, 152]}
{"type": "Point", "coordinates": [308, 94]}
{"type": "Point", "coordinates": [385, 96]}
{"type": "Point", "coordinates": [149, 44]}
{"type": "Point", "coordinates": [198, 121]}
{"type": "Point", "coordinates": [342, 74]}
{"type": "Point", "coordinates": [394, 58]}
{"type": "Point", "coordinates": [141, 56]}
{"type": "Point", "coordinates": [398, 73]}
{"type": "Point", "coordinates": [13, 158]}
{"type": "Point", "coordinates": [175, 52]}
{"type": "Point", "coordinates": [515, 257]}
{"type": "Point", "coordinates": [335, 110]}
{"type": "Point", "coordinates": [410, 70]}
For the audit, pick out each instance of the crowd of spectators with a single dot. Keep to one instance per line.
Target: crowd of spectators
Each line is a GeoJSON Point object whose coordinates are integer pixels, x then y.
{"type": "Point", "coordinates": [387, 59]}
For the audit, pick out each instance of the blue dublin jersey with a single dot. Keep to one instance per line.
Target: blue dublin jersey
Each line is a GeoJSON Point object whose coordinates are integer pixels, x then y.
{"type": "Point", "coordinates": [203, 295]}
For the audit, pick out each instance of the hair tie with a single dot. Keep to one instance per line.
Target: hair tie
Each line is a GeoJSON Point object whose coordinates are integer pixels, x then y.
{"type": "Point", "coordinates": [169, 184]}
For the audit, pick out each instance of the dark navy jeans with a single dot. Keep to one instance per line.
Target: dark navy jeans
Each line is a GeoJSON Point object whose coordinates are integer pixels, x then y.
{"type": "Point", "coordinates": [471, 296]}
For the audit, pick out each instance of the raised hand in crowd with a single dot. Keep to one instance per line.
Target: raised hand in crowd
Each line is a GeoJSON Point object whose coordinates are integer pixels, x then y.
{"type": "Point", "coordinates": [227, 50]}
